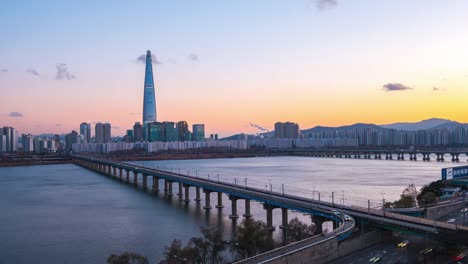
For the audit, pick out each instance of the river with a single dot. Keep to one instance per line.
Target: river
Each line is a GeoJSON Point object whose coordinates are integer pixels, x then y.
{"type": "Point", "coordinates": [67, 214]}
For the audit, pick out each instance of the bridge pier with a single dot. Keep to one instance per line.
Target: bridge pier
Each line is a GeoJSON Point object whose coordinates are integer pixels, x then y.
{"type": "Point", "coordinates": [145, 181]}
{"type": "Point", "coordinates": [169, 188]}
{"type": "Point", "coordinates": [128, 175]}
{"type": "Point", "coordinates": [455, 157]}
{"type": "Point", "coordinates": [269, 216]}
{"type": "Point", "coordinates": [220, 201]}
{"type": "Point", "coordinates": [426, 157]}
{"type": "Point", "coordinates": [284, 225]}
{"type": "Point", "coordinates": [120, 173]}
{"type": "Point", "coordinates": [135, 177]}
{"type": "Point", "coordinates": [233, 199]}
{"type": "Point", "coordinates": [207, 199]}
{"type": "Point", "coordinates": [197, 193]}
{"type": "Point", "coordinates": [440, 156]}
{"type": "Point", "coordinates": [114, 173]}
{"type": "Point", "coordinates": [155, 183]}
{"type": "Point", "coordinates": [247, 209]}
{"type": "Point", "coordinates": [180, 194]}
{"type": "Point", "coordinates": [187, 193]}
{"type": "Point", "coordinates": [318, 221]}
{"type": "Point", "coordinates": [109, 170]}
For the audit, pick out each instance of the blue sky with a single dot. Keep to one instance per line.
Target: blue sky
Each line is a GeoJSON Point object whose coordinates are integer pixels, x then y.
{"type": "Point", "coordinates": [257, 61]}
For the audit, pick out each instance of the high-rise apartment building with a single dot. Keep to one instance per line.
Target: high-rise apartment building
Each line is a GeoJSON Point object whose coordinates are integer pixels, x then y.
{"type": "Point", "coordinates": [2, 142]}
{"type": "Point", "coordinates": [198, 131]}
{"type": "Point", "coordinates": [137, 132]}
{"type": "Point", "coordinates": [182, 129]}
{"type": "Point", "coordinates": [27, 143]}
{"type": "Point", "coordinates": [85, 131]}
{"type": "Point", "coordinates": [287, 130]}
{"type": "Point", "coordinates": [103, 133]}
{"type": "Point", "coordinates": [155, 132]}
{"type": "Point", "coordinates": [170, 132]}
{"type": "Point", "coordinates": [70, 139]}
{"type": "Point", "coordinates": [11, 139]}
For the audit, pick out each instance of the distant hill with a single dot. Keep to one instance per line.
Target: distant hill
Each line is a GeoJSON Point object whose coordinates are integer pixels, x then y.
{"type": "Point", "coordinates": [239, 136]}
{"type": "Point", "coordinates": [452, 125]}
{"type": "Point", "coordinates": [421, 125]}
{"type": "Point", "coordinates": [319, 129]}
{"type": "Point", "coordinates": [433, 123]}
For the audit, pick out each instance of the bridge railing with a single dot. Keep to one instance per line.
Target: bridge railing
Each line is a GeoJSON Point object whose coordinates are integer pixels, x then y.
{"type": "Point", "coordinates": [269, 186]}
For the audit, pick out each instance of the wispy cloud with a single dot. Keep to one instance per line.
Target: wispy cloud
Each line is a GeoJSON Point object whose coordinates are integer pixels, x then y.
{"type": "Point", "coordinates": [142, 59]}
{"type": "Point", "coordinates": [132, 113]}
{"type": "Point", "coordinates": [33, 72]}
{"type": "Point", "coordinates": [58, 125]}
{"type": "Point", "coordinates": [438, 89]}
{"type": "Point", "coordinates": [15, 114]}
{"type": "Point", "coordinates": [116, 127]}
{"type": "Point", "coordinates": [192, 57]}
{"type": "Point", "coordinates": [258, 127]}
{"type": "Point", "coordinates": [326, 4]}
{"type": "Point", "coordinates": [389, 87]}
{"type": "Point", "coordinates": [4, 70]}
{"type": "Point", "coordinates": [63, 73]}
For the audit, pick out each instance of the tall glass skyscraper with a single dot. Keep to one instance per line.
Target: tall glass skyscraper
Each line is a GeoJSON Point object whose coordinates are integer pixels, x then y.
{"type": "Point", "coordinates": [149, 101]}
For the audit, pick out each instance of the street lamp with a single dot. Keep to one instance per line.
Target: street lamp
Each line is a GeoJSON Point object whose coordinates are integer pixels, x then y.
{"type": "Point", "coordinates": [383, 203]}
{"type": "Point", "coordinates": [342, 196]}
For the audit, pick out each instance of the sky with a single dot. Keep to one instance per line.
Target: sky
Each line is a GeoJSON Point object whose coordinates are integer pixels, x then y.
{"type": "Point", "coordinates": [232, 64]}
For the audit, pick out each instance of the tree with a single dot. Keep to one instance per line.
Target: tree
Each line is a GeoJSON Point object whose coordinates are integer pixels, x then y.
{"type": "Point", "coordinates": [251, 238]}
{"type": "Point", "coordinates": [427, 198]}
{"type": "Point", "coordinates": [127, 258]}
{"type": "Point", "coordinates": [213, 238]}
{"type": "Point", "coordinates": [175, 254]}
{"type": "Point", "coordinates": [407, 198]}
{"type": "Point", "coordinates": [298, 230]}
{"type": "Point", "coordinates": [434, 187]}
{"type": "Point", "coordinates": [205, 249]}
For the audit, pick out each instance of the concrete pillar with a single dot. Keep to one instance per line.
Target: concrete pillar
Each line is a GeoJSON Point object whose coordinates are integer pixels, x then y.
{"type": "Point", "coordinates": [128, 175]}
{"type": "Point", "coordinates": [233, 199]}
{"type": "Point", "coordinates": [318, 221]}
{"type": "Point", "coordinates": [180, 190]}
{"type": "Point", "coordinates": [207, 199]}
{"type": "Point", "coordinates": [145, 181]}
{"type": "Point", "coordinates": [269, 216]}
{"type": "Point", "coordinates": [220, 201]}
{"type": "Point", "coordinates": [169, 188]}
{"type": "Point", "coordinates": [114, 173]}
{"type": "Point", "coordinates": [284, 225]}
{"type": "Point", "coordinates": [247, 209]}
{"type": "Point", "coordinates": [197, 193]}
{"type": "Point", "coordinates": [135, 177]}
{"type": "Point", "coordinates": [120, 173]}
{"type": "Point", "coordinates": [187, 193]}
{"type": "Point", "coordinates": [166, 186]}
{"type": "Point", "coordinates": [155, 183]}
{"type": "Point", "coordinates": [109, 170]}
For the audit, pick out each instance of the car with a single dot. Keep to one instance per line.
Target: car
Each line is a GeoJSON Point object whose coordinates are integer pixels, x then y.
{"type": "Point", "coordinates": [403, 244]}
{"type": "Point", "coordinates": [451, 220]}
{"type": "Point", "coordinates": [376, 259]}
{"type": "Point", "coordinates": [347, 218]}
{"type": "Point", "coordinates": [464, 210]}
{"type": "Point", "coordinates": [336, 212]}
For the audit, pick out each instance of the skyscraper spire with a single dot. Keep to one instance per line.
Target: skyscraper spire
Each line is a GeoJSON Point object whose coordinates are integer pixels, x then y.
{"type": "Point", "coordinates": [149, 101]}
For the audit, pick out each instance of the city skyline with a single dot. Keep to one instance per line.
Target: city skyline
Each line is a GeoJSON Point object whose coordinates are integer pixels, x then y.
{"type": "Point", "coordinates": [342, 64]}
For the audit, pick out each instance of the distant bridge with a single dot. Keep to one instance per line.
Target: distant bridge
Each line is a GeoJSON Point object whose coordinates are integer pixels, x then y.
{"type": "Point", "coordinates": [412, 155]}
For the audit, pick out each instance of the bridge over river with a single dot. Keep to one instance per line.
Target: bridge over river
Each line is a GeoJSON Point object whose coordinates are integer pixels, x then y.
{"type": "Point", "coordinates": [319, 210]}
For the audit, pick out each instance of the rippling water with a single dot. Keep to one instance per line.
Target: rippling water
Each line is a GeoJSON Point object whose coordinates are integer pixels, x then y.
{"type": "Point", "coordinates": [67, 214]}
